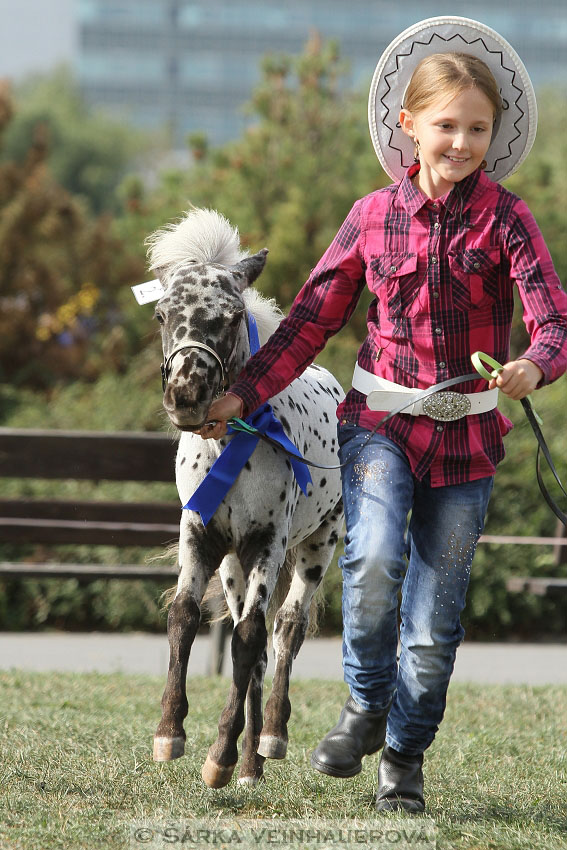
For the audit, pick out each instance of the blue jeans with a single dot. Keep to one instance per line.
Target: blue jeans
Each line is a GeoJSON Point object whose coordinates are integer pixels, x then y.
{"type": "Point", "coordinates": [429, 560]}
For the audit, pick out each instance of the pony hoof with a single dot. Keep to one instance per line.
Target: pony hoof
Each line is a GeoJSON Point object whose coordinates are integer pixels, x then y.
{"type": "Point", "coordinates": [272, 747]}
{"type": "Point", "coordinates": [216, 775]}
{"type": "Point", "coordinates": [249, 781]}
{"type": "Point", "coordinates": [167, 749]}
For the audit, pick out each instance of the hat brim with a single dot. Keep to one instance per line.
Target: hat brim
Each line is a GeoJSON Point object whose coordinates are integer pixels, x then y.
{"type": "Point", "coordinates": [514, 135]}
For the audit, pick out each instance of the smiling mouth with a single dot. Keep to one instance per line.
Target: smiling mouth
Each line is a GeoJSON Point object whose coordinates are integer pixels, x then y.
{"type": "Point", "coordinates": [457, 160]}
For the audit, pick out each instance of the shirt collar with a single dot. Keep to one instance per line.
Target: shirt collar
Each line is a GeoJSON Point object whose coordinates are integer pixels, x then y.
{"type": "Point", "coordinates": [458, 199]}
{"type": "Point", "coordinates": [410, 196]}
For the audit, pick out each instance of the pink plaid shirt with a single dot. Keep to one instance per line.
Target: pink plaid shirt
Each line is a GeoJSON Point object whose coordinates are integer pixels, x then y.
{"type": "Point", "coordinates": [443, 273]}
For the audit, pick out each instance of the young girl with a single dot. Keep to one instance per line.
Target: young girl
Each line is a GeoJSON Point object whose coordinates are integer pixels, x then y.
{"type": "Point", "coordinates": [441, 249]}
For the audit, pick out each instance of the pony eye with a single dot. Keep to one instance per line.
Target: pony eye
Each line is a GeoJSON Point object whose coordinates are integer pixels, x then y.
{"type": "Point", "coordinates": [160, 318]}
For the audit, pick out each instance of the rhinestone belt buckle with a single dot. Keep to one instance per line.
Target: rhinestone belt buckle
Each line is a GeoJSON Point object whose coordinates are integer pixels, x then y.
{"type": "Point", "coordinates": [446, 406]}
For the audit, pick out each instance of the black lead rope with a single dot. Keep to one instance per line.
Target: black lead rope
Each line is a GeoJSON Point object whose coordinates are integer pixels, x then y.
{"type": "Point", "coordinates": [237, 424]}
{"type": "Point", "coordinates": [542, 448]}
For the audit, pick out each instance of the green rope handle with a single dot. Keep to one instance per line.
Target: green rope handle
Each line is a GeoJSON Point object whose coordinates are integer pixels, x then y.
{"type": "Point", "coordinates": [479, 358]}
{"type": "Point", "coordinates": [240, 425]}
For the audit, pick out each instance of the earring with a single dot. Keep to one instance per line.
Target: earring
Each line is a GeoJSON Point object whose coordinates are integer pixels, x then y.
{"type": "Point", "coordinates": [415, 150]}
{"type": "Point", "coordinates": [483, 165]}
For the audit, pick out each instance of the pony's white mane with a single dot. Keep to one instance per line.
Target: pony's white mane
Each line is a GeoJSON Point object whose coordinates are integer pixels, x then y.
{"type": "Point", "coordinates": [206, 236]}
{"type": "Point", "coordinates": [201, 236]}
{"type": "Point", "coordinates": [265, 310]}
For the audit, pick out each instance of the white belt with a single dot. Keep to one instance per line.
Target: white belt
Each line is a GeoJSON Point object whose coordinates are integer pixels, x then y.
{"type": "Point", "coordinates": [444, 405]}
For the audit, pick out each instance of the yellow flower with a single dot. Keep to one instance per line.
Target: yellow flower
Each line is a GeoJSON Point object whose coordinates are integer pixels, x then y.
{"type": "Point", "coordinates": [43, 334]}
{"type": "Point", "coordinates": [86, 302]}
{"type": "Point", "coordinates": [67, 313]}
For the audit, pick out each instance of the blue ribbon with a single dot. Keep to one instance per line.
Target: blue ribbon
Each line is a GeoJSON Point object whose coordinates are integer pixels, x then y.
{"type": "Point", "coordinates": [227, 467]}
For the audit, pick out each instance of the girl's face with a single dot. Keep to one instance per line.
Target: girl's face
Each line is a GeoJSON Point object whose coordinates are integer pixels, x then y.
{"type": "Point", "coordinates": [453, 136]}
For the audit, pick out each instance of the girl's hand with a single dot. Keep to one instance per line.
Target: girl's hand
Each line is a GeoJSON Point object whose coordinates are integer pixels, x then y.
{"type": "Point", "coordinates": [220, 411]}
{"type": "Point", "coordinates": [517, 379]}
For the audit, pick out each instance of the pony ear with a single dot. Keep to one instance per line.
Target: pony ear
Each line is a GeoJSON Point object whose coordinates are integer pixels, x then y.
{"type": "Point", "coordinates": [161, 274]}
{"type": "Point", "coordinates": [251, 268]}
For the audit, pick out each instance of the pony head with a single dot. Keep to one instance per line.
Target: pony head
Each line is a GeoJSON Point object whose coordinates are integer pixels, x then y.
{"type": "Point", "coordinates": [203, 311]}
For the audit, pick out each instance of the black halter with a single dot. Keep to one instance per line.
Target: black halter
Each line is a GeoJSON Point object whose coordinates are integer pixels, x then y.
{"type": "Point", "coordinates": [166, 366]}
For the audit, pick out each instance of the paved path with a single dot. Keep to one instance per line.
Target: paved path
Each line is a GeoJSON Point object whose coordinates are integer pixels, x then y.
{"type": "Point", "coordinates": [501, 663]}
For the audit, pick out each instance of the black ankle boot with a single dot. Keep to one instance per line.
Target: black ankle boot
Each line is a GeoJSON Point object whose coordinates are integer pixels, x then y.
{"type": "Point", "coordinates": [400, 782]}
{"type": "Point", "coordinates": [358, 733]}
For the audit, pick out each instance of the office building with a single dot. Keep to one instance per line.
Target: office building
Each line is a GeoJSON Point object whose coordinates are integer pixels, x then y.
{"type": "Point", "coordinates": [191, 64]}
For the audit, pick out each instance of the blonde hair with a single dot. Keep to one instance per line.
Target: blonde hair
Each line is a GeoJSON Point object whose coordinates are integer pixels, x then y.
{"type": "Point", "coordinates": [450, 74]}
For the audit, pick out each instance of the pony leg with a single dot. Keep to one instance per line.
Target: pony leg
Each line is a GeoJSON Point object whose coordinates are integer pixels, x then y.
{"type": "Point", "coordinates": [313, 558]}
{"type": "Point", "coordinates": [252, 764]}
{"type": "Point", "coordinates": [249, 641]}
{"type": "Point", "coordinates": [182, 624]}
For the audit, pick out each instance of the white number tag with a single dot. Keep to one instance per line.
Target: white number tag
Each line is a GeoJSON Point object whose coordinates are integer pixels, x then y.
{"type": "Point", "coordinates": [145, 293]}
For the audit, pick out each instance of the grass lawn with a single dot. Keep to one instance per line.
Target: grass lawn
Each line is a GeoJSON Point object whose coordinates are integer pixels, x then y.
{"type": "Point", "coordinates": [76, 767]}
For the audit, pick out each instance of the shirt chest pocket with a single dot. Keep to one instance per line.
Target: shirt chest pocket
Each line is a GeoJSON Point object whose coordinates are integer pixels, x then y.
{"type": "Point", "coordinates": [394, 281]}
{"type": "Point", "coordinates": [474, 277]}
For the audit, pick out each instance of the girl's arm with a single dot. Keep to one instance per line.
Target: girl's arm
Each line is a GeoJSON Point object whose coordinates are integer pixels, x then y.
{"type": "Point", "coordinates": [322, 307]}
{"type": "Point", "coordinates": [545, 308]}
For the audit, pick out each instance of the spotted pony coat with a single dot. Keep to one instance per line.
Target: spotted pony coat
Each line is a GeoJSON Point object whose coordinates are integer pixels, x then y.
{"type": "Point", "coordinates": [264, 516]}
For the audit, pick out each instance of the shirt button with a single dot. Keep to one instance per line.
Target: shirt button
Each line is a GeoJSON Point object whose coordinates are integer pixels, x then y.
{"type": "Point", "coordinates": [442, 365]}
{"type": "Point", "coordinates": [476, 265]}
{"type": "Point", "coordinates": [439, 428]}
{"type": "Point", "coordinates": [438, 330]}
{"type": "Point", "coordinates": [435, 293]}
{"type": "Point", "coordinates": [436, 225]}
{"type": "Point", "coordinates": [433, 260]}
{"type": "Point", "coordinates": [393, 268]}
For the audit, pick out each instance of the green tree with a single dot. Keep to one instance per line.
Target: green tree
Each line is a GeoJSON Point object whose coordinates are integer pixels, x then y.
{"type": "Point", "coordinates": [59, 272]}
{"type": "Point", "coordinates": [293, 176]}
{"type": "Point", "coordinates": [542, 179]}
{"type": "Point", "coordinates": [88, 154]}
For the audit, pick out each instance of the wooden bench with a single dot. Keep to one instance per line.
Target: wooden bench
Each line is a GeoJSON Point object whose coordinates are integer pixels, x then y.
{"type": "Point", "coordinates": [87, 456]}
{"type": "Point", "coordinates": [92, 456]}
